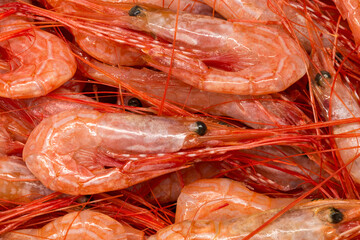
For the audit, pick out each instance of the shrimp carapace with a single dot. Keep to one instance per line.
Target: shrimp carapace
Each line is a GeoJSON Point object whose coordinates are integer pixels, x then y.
{"type": "Point", "coordinates": [320, 219]}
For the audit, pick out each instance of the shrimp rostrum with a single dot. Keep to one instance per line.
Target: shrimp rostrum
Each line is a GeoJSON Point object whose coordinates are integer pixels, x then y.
{"type": "Point", "coordinates": [321, 219]}
{"type": "Point", "coordinates": [86, 152]}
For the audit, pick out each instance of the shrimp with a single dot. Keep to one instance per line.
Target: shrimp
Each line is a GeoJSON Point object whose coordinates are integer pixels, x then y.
{"type": "Point", "coordinates": [238, 58]}
{"type": "Point", "coordinates": [17, 183]}
{"type": "Point", "coordinates": [221, 199]}
{"type": "Point", "coordinates": [84, 148]}
{"type": "Point", "coordinates": [337, 102]}
{"type": "Point", "coordinates": [265, 111]}
{"type": "Point", "coordinates": [41, 61]}
{"type": "Point", "coordinates": [321, 219]}
{"type": "Point", "coordinates": [79, 225]}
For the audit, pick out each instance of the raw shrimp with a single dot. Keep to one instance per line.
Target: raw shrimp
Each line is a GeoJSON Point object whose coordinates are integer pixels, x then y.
{"type": "Point", "coordinates": [238, 58]}
{"type": "Point", "coordinates": [337, 102]}
{"type": "Point", "coordinates": [86, 152]}
{"type": "Point", "coordinates": [17, 183]}
{"type": "Point", "coordinates": [79, 225]}
{"type": "Point", "coordinates": [266, 111]}
{"type": "Point", "coordinates": [40, 62]}
{"type": "Point", "coordinates": [221, 199]}
{"type": "Point", "coordinates": [321, 219]}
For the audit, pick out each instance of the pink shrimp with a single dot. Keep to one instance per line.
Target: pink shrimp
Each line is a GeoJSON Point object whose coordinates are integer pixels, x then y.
{"type": "Point", "coordinates": [266, 111]}
{"type": "Point", "coordinates": [337, 102]}
{"type": "Point", "coordinates": [221, 199]}
{"type": "Point", "coordinates": [79, 225]}
{"type": "Point", "coordinates": [239, 58]}
{"type": "Point", "coordinates": [321, 219]}
{"type": "Point", "coordinates": [40, 62]}
{"type": "Point", "coordinates": [84, 148]}
{"type": "Point", "coordinates": [17, 182]}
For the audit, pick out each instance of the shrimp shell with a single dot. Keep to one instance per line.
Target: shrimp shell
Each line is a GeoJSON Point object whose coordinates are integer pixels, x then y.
{"type": "Point", "coordinates": [72, 151]}
{"type": "Point", "coordinates": [238, 58]}
{"type": "Point", "coordinates": [79, 225]}
{"type": "Point", "coordinates": [41, 61]}
{"type": "Point", "coordinates": [317, 220]}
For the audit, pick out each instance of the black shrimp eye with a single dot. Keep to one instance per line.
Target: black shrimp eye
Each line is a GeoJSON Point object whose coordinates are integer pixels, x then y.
{"type": "Point", "coordinates": [134, 102]}
{"type": "Point", "coordinates": [336, 216]}
{"type": "Point", "coordinates": [339, 56]}
{"type": "Point", "coordinates": [201, 128]}
{"type": "Point", "coordinates": [321, 75]}
{"type": "Point", "coordinates": [135, 11]}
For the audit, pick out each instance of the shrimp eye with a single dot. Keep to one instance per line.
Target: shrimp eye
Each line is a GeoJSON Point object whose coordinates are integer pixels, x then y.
{"type": "Point", "coordinates": [135, 11]}
{"type": "Point", "coordinates": [339, 56]}
{"type": "Point", "coordinates": [134, 102]}
{"type": "Point", "coordinates": [200, 128]}
{"type": "Point", "coordinates": [336, 216]}
{"type": "Point", "coordinates": [319, 77]}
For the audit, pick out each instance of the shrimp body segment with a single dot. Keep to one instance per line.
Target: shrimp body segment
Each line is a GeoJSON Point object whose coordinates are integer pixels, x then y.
{"type": "Point", "coordinates": [74, 152]}
{"type": "Point", "coordinates": [79, 225]}
{"type": "Point", "coordinates": [41, 61]}
{"type": "Point", "coordinates": [238, 58]}
{"type": "Point", "coordinates": [221, 199]}
{"type": "Point", "coordinates": [317, 220]}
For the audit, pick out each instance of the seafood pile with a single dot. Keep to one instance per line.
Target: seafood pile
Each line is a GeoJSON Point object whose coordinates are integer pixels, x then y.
{"type": "Point", "coordinates": [180, 119]}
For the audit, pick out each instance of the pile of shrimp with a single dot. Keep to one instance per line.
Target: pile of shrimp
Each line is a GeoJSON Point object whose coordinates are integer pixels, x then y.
{"type": "Point", "coordinates": [185, 119]}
